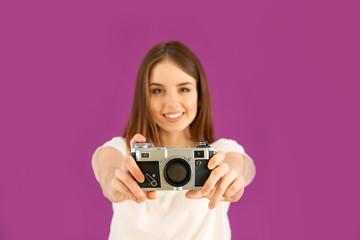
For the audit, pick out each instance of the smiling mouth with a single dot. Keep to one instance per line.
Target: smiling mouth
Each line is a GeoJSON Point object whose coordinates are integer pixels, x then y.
{"type": "Point", "coordinates": [173, 116]}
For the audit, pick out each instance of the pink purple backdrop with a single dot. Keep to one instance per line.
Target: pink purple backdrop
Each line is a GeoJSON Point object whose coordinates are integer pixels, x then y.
{"type": "Point", "coordinates": [284, 79]}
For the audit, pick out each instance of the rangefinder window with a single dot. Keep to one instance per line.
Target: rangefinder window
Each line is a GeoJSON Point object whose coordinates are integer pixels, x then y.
{"type": "Point", "coordinates": [198, 154]}
{"type": "Point", "coordinates": [145, 155]}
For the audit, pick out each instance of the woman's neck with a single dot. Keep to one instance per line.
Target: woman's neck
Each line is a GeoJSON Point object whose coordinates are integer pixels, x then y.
{"type": "Point", "coordinates": [177, 139]}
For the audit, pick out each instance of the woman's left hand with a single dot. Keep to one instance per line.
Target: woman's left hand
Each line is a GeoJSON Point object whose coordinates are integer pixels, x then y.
{"type": "Point", "coordinates": [224, 183]}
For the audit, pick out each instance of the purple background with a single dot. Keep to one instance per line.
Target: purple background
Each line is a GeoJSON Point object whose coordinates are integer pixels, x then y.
{"type": "Point", "coordinates": [282, 75]}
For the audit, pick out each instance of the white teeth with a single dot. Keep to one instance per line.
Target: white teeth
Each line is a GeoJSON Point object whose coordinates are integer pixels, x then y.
{"type": "Point", "coordinates": [176, 115]}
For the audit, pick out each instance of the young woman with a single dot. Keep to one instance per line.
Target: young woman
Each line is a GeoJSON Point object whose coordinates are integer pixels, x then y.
{"type": "Point", "coordinates": [171, 108]}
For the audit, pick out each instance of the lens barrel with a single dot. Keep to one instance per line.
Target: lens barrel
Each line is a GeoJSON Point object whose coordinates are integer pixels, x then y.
{"type": "Point", "coordinates": [177, 172]}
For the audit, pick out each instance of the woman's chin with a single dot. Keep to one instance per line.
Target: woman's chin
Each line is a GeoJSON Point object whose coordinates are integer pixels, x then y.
{"type": "Point", "coordinates": [174, 129]}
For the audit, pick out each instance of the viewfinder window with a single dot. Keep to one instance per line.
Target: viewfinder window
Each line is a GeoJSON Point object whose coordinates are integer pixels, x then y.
{"type": "Point", "coordinates": [198, 154]}
{"type": "Point", "coordinates": [145, 155]}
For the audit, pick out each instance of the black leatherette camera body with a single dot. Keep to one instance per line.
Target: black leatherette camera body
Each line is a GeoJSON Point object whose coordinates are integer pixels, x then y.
{"type": "Point", "coordinates": [173, 168]}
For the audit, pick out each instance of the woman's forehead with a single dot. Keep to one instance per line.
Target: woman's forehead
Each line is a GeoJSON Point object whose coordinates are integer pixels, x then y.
{"type": "Point", "coordinates": [168, 73]}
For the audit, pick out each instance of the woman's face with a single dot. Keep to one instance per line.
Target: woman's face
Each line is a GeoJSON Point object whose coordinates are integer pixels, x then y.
{"type": "Point", "coordinates": [173, 97]}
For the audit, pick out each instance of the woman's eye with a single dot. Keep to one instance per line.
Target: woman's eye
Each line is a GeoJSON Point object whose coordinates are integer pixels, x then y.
{"type": "Point", "coordinates": [185, 90]}
{"type": "Point", "coordinates": [156, 90]}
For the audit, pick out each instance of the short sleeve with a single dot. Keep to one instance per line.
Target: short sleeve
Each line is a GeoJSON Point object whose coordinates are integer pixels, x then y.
{"type": "Point", "coordinates": [227, 145]}
{"type": "Point", "coordinates": [119, 143]}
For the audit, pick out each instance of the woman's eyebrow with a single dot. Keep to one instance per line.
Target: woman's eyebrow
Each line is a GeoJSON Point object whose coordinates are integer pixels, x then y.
{"type": "Point", "coordinates": [180, 84]}
{"type": "Point", "coordinates": [156, 84]}
{"type": "Point", "coordinates": [184, 83]}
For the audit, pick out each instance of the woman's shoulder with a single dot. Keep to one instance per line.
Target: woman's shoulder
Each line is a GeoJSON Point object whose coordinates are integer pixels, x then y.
{"type": "Point", "coordinates": [227, 145]}
{"type": "Point", "coordinates": [117, 142]}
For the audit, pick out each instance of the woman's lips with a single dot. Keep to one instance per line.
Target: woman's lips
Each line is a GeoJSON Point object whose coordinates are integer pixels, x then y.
{"type": "Point", "coordinates": [173, 117]}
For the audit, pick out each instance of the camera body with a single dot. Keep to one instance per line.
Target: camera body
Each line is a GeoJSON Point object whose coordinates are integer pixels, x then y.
{"type": "Point", "coordinates": [173, 168]}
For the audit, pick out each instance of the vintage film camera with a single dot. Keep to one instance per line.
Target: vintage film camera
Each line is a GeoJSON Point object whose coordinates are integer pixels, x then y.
{"type": "Point", "coordinates": [173, 168]}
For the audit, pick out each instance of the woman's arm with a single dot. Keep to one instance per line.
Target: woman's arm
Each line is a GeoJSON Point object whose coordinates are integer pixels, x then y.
{"type": "Point", "coordinates": [116, 172]}
{"type": "Point", "coordinates": [105, 162]}
{"type": "Point", "coordinates": [231, 172]}
{"type": "Point", "coordinates": [242, 164]}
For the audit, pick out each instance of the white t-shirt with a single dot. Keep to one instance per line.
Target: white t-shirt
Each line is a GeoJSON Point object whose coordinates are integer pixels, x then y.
{"type": "Point", "coordinates": [171, 215]}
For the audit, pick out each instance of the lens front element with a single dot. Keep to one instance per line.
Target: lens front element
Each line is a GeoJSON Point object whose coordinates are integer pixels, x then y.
{"type": "Point", "coordinates": [177, 172]}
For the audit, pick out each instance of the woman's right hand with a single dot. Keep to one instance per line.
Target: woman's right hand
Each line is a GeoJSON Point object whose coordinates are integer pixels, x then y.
{"type": "Point", "coordinates": [123, 182]}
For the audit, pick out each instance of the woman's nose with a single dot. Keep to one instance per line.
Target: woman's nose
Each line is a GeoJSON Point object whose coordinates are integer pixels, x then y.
{"type": "Point", "coordinates": [171, 99]}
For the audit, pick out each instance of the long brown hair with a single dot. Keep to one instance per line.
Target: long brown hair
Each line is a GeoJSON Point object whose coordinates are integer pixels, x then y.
{"type": "Point", "coordinates": [140, 121]}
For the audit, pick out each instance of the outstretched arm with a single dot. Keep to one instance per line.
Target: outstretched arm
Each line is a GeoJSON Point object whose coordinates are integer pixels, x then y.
{"type": "Point", "coordinates": [116, 172]}
{"type": "Point", "coordinates": [231, 172]}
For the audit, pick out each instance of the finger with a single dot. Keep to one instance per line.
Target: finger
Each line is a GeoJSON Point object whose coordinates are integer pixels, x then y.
{"type": "Point", "coordinates": [215, 175]}
{"type": "Point", "coordinates": [131, 184]}
{"type": "Point", "coordinates": [120, 187]}
{"type": "Point", "coordinates": [222, 187]}
{"type": "Point", "coordinates": [130, 165]}
{"type": "Point", "coordinates": [210, 194]}
{"type": "Point", "coordinates": [216, 159]}
{"type": "Point", "coordinates": [234, 188]}
{"type": "Point", "coordinates": [137, 138]}
{"type": "Point", "coordinates": [151, 195]}
{"type": "Point", "coordinates": [236, 197]}
{"type": "Point", "coordinates": [194, 194]}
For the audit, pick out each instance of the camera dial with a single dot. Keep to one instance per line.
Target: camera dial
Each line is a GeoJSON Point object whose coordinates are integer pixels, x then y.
{"type": "Point", "coordinates": [141, 145]}
{"type": "Point", "coordinates": [203, 144]}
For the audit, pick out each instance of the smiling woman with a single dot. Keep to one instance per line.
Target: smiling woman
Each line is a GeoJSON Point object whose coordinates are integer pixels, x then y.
{"type": "Point", "coordinates": [166, 64]}
{"type": "Point", "coordinates": [171, 108]}
{"type": "Point", "coordinates": [173, 100]}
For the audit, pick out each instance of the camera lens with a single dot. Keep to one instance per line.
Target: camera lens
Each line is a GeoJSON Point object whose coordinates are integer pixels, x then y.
{"type": "Point", "coordinates": [177, 172]}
